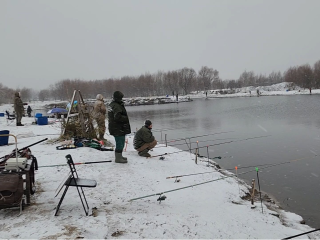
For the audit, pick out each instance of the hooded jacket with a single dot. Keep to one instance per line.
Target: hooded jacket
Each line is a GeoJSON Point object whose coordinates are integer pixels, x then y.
{"type": "Point", "coordinates": [18, 104]}
{"type": "Point", "coordinates": [119, 124]}
{"type": "Point", "coordinates": [99, 110]}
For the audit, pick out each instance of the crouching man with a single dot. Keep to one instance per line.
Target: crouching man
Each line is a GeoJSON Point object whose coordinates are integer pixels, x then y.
{"type": "Point", "coordinates": [144, 140]}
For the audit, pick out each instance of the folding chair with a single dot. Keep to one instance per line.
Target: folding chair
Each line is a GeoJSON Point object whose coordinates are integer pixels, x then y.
{"type": "Point", "coordinates": [10, 118]}
{"type": "Point", "coordinates": [80, 183]}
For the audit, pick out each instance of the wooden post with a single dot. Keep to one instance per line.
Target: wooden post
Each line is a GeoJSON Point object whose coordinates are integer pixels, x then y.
{"type": "Point", "coordinates": [165, 136]}
{"type": "Point", "coordinates": [196, 159]}
{"type": "Point", "coordinates": [252, 193]}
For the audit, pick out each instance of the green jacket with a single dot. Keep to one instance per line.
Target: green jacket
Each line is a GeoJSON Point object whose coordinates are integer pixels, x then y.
{"type": "Point", "coordinates": [119, 124]}
{"type": "Point", "coordinates": [18, 104]}
{"type": "Point", "coordinates": [142, 136]}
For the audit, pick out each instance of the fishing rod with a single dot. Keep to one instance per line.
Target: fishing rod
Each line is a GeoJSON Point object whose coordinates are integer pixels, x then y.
{"type": "Point", "coordinates": [193, 185]}
{"type": "Point", "coordinates": [179, 139]}
{"type": "Point", "coordinates": [302, 234]}
{"type": "Point", "coordinates": [219, 170]}
{"type": "Point", "coordinates": [211, 145]}
{"type": "Point", "coordinates": [21, 149]}
{"type": "Point", "coordinates": [211, 140]}
{"type": "Point", "coordinates": [79, 163]}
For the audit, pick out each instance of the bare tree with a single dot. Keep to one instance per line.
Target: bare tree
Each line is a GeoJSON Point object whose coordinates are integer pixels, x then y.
{"type": "Point", "coordinates": [171, 82]}
{"type": "Point", "coordinates": [44, 95]}
{"type": "Point", "coordinates": [316, 74]}
{"type": "Point", "coordinates": [291, 75]}
{"type": "Point", "coordinates": [186, 76]}
{"type": "Point", "coordinates": [305, 74]}
{"type": "Point", "coordinates": [247, 78]}
{"type": "Point", "coordinates": [206, 76]}
{"type": "Point", "coordinates": [232, 84]}
{"type": "Point", "coordinates": [275, 77]}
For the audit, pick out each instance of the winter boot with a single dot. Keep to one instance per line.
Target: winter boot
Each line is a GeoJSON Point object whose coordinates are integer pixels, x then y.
{"type": "Point", "coordinates": [144, 153]}
{"type": "Point", "coordinates": [19, 124]}
{"type": "Point", "coordinates": [124, 158]}
{"type": "Point", "coordinates": [119, 158]}
{"type": "Point", "coordinates": [101, 137]}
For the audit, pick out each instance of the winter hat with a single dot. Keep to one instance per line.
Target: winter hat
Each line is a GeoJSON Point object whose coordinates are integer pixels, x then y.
{"type": "Point", "coordinates": [147, 123]}
{"type": "Point", "coordinates": [117, 95]}
{"type": "Point", "coordinates": [99, 97]}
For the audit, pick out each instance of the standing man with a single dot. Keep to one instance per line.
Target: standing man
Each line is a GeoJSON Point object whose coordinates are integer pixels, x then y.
{"type": "Point", "coordinates": [144, 140]}
{"type": "Point", "coordinates": [119, 124]}
{"type": "Point", "coordinates": [99, 114]}
{"type": "Point", "coordinates": [18, 108]}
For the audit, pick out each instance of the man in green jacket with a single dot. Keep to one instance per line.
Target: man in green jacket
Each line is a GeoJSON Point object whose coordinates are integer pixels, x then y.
{"type": "Point", "coordinates": [18, 108]}
{"type": "Point", "coordinates": [144, 140]}
{"type": "Point", "coordinates": [119, 124]}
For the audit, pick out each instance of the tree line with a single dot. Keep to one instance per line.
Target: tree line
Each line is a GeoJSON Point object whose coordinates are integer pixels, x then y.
{"type": "Point", "coordinates": [181, 81]}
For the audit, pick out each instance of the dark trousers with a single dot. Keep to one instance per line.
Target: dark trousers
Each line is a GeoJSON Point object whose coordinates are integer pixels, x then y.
{"type": "Point", "coordinates": [119, 143]}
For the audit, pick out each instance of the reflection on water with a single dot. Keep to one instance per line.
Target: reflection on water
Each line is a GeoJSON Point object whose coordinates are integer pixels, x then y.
{"type": "Point", "coordinates": [291, 123]}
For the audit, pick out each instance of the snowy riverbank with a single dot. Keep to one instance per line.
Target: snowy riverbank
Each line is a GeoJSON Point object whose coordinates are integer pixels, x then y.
{"type": "Point", "coordinates": [280, 89]}
{"type": "Point", "coordinates": [213, 210]}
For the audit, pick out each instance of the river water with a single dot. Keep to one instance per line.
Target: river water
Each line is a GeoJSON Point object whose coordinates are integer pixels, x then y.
{"type": "Point", "coordinates": [288, 132]}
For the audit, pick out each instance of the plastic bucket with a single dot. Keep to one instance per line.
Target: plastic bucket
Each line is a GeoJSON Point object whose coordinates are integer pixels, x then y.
{"type": "Point", "coordinates": [42, 120]}
{"type": "Point", "coordinates": [4, 139]}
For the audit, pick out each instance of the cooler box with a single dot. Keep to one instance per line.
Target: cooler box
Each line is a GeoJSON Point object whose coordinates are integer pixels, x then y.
{"type": "Point", "coordinates": [1, 114]}
{"type": "Point", "coordinates": [4, 139]}
{"type": "Point", "coordinates": [38, 115]}
{"type": "Point", "coordinates": [42, 120]}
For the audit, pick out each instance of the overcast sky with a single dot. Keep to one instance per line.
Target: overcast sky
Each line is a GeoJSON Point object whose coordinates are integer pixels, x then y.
{"type": "Point", "coordinates": [42, 42]}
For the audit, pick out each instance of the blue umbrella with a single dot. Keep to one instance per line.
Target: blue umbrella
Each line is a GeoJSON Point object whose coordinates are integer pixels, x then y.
{"type": "Point", "coordinates": [57, 110]}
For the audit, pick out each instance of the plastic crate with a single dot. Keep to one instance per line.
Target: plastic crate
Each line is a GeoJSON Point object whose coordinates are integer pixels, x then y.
{"type": "Point", "coordinates": [4, 139]}
{"type": "Point", "coordinates": [42, 120]}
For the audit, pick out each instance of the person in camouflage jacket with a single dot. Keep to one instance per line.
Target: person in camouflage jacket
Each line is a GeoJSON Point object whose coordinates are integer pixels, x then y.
{"type": "Point", "coordinates": [119, 124]}
{"type": "Point", "coordinates": [99, 114]}
{"type": "Point", "coordinates": [18, 108]}
{"type": "Point", "coordinates": [144, 140]}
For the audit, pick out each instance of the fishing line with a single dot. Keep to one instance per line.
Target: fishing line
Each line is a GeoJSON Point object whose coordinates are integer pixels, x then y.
{"type": "Point", "coordinates": [193, 185]}
{"type": "Point", "coordinates": [230, 169]}
{"type": "Point", "coordinates": [211, 140]}
{"type": "Point", "coordinates": [179, 139]}
{"type": "Point", "coordinates": [165, 129]}
{"type": "Point", "coordinates": [211, 145]}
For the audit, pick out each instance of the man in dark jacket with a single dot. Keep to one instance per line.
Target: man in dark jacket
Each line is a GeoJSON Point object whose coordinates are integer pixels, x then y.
{"type": "Point", "coordinates": [18, 108]}
{"type": "Point", "coordinates": [144, 140]}
{"type": "Point", "coordinates": [119, 124]}
{"type": "Point", "coordinates": [29, 110]}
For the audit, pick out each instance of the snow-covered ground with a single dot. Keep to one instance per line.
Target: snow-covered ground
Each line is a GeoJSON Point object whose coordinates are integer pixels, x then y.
{"type": "Point", "coordinates": [283, 88]}
{"type": "Point", "coordinates": [213, 210]}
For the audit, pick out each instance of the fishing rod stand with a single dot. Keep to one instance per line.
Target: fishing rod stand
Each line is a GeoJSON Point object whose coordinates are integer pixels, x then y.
{"type": "Point", "coordinates": [177, 180]}
{"type": "Point", "coordinates": [161, 198]}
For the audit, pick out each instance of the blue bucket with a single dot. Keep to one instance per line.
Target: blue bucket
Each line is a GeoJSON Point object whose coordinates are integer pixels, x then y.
{"type": "Point", "coordinates": [42, 120]}
{"type": "Point", "coordinates": [38, 115]}
{"type": "Point", "coordinates": [4, 139]}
